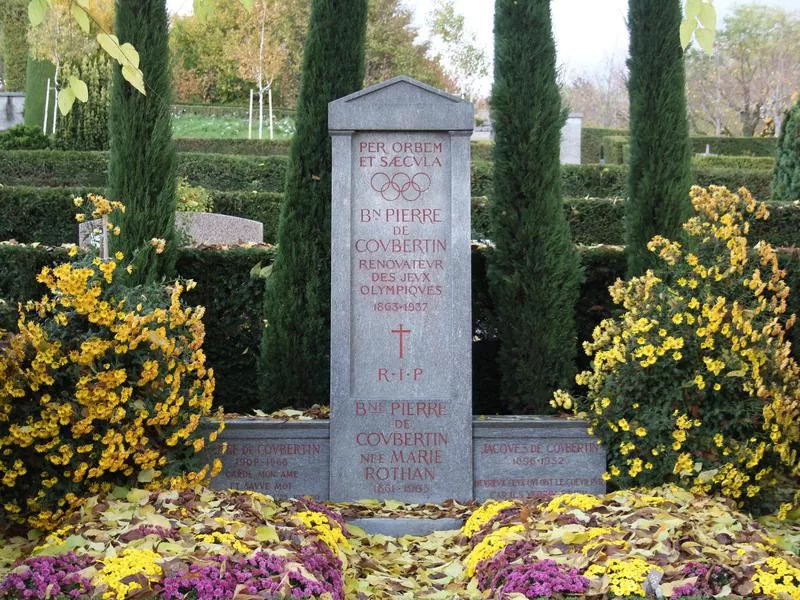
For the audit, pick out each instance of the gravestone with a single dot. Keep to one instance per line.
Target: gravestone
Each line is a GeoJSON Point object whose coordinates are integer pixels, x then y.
{"type": "Point", "coordinates": [12, 106]}
{"type": "Point", "coordinates": [570, 153]}
{"type": "Point", "coordinates": [401, 331]}
{"type": "Point", "coordinates": [201, 228]}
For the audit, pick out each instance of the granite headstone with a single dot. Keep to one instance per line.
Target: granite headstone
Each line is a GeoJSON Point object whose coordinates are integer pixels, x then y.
{"type": "Point", "coordinates": [401, 332]}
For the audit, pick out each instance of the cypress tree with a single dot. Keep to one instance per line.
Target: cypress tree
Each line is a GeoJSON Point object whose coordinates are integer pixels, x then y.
{"type": "Point", "coordinates": [36, 76]}
{"type": "Point", "coordinates": [659, 176]}
{"type": "Point", "coordinates": [141, 159]}
{"type": "Point", "coordinates": [295, 350]}
{"type": "Point", "coordinates": [535, 271]}
{"type": "Point", "coordinates": [786, 178]}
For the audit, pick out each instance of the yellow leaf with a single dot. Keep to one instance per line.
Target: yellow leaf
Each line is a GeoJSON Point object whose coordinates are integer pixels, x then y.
{"type": "Point", "coordinates": [134, 76]}
{"type": "Point", "coordinates": [687, 29]}
{"type": "Point", "coordinates": [705, 38]}
{"type": "Point", "coordinates": [708, 16]}
{"type": "Point", "coordinates": [129, 55]}
{"type": "Point", "coordinates": [36, 11]}
{"type": "Point", "coordinates": [66, 98]}
{"type": "Point", "coordinates": [79, 14]}
{"type": "Point", "coordinates": [79, 88]}
{"type": "Point", "coordinates": [267, 533]}
{"type": "Point", "coordinates": [110, 43]}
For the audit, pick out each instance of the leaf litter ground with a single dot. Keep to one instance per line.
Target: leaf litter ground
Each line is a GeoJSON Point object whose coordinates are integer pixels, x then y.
{"type": "Point", "coordinates": [665, 529]}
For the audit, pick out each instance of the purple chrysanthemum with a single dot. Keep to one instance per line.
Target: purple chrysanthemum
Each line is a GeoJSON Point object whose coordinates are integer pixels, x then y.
{"type": "Point", "coordinates": [57, 575]}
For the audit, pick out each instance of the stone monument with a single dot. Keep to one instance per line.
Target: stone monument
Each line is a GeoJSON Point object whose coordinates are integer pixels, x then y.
{"type": "Point", "coordinates": [401, 331]}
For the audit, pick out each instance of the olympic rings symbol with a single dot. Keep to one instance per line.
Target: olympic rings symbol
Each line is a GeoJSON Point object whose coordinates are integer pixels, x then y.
{"type": "Point", "coordinates": [400, 185]}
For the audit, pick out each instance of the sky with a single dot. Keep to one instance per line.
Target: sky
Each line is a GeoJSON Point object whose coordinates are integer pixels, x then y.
{"type": "Point", "coordinates": [588, 33]}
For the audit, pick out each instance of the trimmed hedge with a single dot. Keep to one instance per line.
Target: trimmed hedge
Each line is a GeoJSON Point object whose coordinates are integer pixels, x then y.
{"type": "Point", "coordinates": [266, 173]}
{"type": "Point", "coordinates": [47, 215]}
{"type": "Point", "coordinates": [736, 146]}
{"type": "Point", "coordinates": [215, 171]}
{"type": "Point", "coordinates": [234, 146]}
{"type": "Point", "coordinates": [733, 162]}
{"type": "Point", "coordinates": [592, 139]}
{"type": "Point", "coordinates": [234, 313]}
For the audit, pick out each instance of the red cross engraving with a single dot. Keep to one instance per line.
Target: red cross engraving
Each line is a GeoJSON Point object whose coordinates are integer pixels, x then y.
{"type": "Point", "coordinates": [402, 332]}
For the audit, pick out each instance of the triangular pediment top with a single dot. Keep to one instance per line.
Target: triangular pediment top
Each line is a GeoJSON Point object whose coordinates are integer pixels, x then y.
{"type": "Point", "coordinates": [400, 103]}
{"type": "Point", "coordinates": [399, 87]}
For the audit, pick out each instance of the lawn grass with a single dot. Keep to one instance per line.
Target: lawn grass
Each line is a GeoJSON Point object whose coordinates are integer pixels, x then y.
{"type": "Point", "coordinates": [226, 126]}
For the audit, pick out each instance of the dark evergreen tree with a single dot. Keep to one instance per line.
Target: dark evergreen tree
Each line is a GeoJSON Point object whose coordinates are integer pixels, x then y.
{"type": "Point", "coordinates": [786, 179]}
{"type": "Point", "coordinates": [659, 176]}
{"type": "Point", "coordinates": [295, 352]}
{"type": "Point", "coordinates": [535, 271]}
{"type": "Point", "coordinates": [141, 160]}
{"type": "Point", "coordinates": [36, 76]}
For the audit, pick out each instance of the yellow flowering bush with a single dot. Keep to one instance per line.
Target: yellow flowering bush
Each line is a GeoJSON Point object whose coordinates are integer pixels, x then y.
{"type": "Point", "coordinates": [694, 382]}
{"type": "Point", "coordinates": [103, 385]}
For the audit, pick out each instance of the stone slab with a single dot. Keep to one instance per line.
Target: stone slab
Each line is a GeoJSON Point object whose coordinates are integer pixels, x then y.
{"type": "Point", "coordinates": [571, 140]}
{"type": "Point", "coordinates": [202, 228]}
{"type": "Point", "coordinates": [405, 526]}
{"type": "Point", "coordinates": [524, 456]}
{"type": "Point", "coordinates": [12, 107]}
{"type": "Point", "coordinates": [513, 456]}
{"type": "Point", "coordinates": [283, 459]}
{"type": "Point", "coordinates": [400, 295]}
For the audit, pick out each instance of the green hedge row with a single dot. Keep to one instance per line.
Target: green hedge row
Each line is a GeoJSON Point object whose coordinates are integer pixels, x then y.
{"type": "Point", "coordinates": [617, 148]}
{"type": "Point", "coordinates": [234, 146]}
{"type": "Point", "coordinates": [733, 162]}
{"type": "Point", "coordinates": [592, 138]}
{"type": "Point", "coordinates": [215, 171]}
{"type": "Point", "coordinates": [480, 150]}
{"type": "Point", "coordinates": [736, 146]}
{"type": "Point", "coordinates": [266, 173]}
{"type": "Point", "coordinates": [47, 216]}
{"type": "Point", "coordinates": [233, 301]}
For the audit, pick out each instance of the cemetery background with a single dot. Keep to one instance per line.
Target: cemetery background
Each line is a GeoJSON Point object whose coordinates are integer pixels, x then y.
{"type": "Point", "coordinates": [234, 318]}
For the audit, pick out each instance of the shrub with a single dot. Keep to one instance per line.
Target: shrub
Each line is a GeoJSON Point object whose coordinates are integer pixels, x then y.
{"type": "Point", "coordinates": [592, 140]}
{"type": "Point", "coordinates": [22, 137]}
{"type": "Point", "coordinates": [193, 198]}
{"type": "Point", "coordinates": [694, 382]}
{"type": "Point", "coordinates": [733, 162]}
{"type": "Point", "coordinates": [233, 146]}
{"type": "Point", "coordinates": [735, 146]}
{"type": "Point", "coordinates": [85, 127]}
{"type": "Point", "coordinates": [786, 178]}
{"type": "Point", "coordinates": [73, 168]}
{"type": "Point", "coordinates": [103, 385]}
{"type": "Point", "coordinates": [36, 75]}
